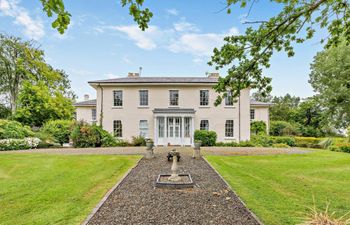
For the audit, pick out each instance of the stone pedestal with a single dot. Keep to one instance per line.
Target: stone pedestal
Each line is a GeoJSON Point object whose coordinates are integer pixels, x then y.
{"type": "Point", "coordinates": [149, 153]}
{"type": "Point", "coordinates": [196, 153]}
{"type": "Point", "coordinates": [174, 175]}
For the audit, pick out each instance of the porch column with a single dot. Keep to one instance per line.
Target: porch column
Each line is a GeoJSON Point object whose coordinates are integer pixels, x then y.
{"type": "Point", "coordinates": [182, 130]}
{"type": "Point", "coordinates": [165, 130]}
{"type": "Point", "coordinates": [155, 137]}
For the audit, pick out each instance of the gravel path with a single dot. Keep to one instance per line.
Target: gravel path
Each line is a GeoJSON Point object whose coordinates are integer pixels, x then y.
{"type": "Point", "coordinates": [141, 151]}
{"type": "Point", "coordinates": [136, 201]}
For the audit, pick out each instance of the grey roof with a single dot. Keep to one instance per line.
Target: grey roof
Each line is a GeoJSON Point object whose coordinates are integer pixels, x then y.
{"type": "Point", "coordinates": [257, 103]}
{"type": "Point", "coordinates": [173, 110]}
{"type": "Point", "coordinates": [158, 80]}
{"type": "Point", "coordinates": [91, 102]}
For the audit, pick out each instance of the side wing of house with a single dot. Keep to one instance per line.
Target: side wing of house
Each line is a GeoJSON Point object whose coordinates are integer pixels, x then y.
{"type": "Point", "coordinates": [86, 111]}
{"type": "Point", "coordinates": [259, 111]}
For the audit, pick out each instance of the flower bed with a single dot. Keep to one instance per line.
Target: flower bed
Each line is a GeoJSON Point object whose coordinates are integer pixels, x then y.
{"type": "Point", "coordinates": [18, 144]}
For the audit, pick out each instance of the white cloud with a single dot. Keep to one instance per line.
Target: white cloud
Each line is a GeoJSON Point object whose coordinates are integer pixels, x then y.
{"type": "Point", "coordinates": [143, 39]}
{"type": "Point", "coordinates": [199, 44]}
{"type": "Point", "coordinates": [184, 26]}
{"type": "Point", "coordinates": [33, 28]}
{"type": "Point", "coordinates": [111, 76]}
{"type": "Point", "coordinates": [173, 12]}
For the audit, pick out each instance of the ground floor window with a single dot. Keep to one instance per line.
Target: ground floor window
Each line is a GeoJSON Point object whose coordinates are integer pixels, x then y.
{"type": "Point", "coordinates": [117, 128]}
{"type": "Point", "coordinates": [252, 114]}
{"type": "Point", "coordinates": [143, 128]}
{"type": "Point", "coordinates": [229, 125]}
{"type": "Point", "coordinates": [93, 114]}
{"type": "Point", "coordinates": [187, 127]}
{"type": "Point", "coordinates": [204, 125]}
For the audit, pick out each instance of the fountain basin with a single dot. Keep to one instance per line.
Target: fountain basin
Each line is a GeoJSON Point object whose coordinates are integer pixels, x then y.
{"type": "Point", "coordinates": [185, 182]}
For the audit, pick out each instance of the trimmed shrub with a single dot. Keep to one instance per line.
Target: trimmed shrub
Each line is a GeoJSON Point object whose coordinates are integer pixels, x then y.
{"type": "Point", "coordinates": [226, 144]}
{"type": "Point", "coordinates": [19, 144]}
{"type": "Point", "coordinates": [246, 144]}
{"type": "Point", "coordinates": [258, 127]}
{"type": "Point", "coordinates": [85, 135]}
{"type": "Point", "coordinates": [290, 141]}
{"type": "Point", "coordinates": [308, 142]}
{"type": "Point", "coordinates": [208, 138]}
{"type": "Point", "coordinates": [280, 145]}
{"type": "Point", "coordinates": [341, 147]}
{"type": "Point", "coordinates": [261, 140]}
{"type": "Point", "coordinates": [138, 141]}
{"type": "Point", "coordinates": [282, 128]}
{"type": "Point", "coordinates": [14, 130]}
{"type": "Point", "coordinates": [326, 143]}
{"type": "Point", "coordinates": [59, 129]}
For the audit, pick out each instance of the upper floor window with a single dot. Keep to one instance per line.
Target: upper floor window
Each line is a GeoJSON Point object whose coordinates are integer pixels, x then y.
{"type": "Point", "coordinates": [143, 128]}
{"type": "Point", "coordinates": [118, 128]}
{"type": "Point", "coordinates": [143, 94]}
{"type": "Point", "coordinates": [204, 125]}
{"type": "Point", "coordinates": [229, 125]}
{"type": "Point", "coordinates": [252, 114]}
{"type": "Point", "coordinates": [174, 97]}
{"type": "Point", "coordinates": [229, 99]}
{"type": "Point", "coordinates": [93, 114]}
{"type": "Point", "coordinates": [118, 98]}
{"type": "Point", "coordinates": [204, 97]}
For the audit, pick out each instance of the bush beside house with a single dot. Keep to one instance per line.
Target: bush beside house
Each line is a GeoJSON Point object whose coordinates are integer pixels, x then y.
{"type": "Point", "coordinates": [59, 129]}
{"type": "Point", "coordinates": [207, 138]}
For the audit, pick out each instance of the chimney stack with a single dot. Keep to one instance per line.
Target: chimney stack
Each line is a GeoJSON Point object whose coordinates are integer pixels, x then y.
{"type": "Point", "coordinates": [86, 97]}
{"type": "Point", "coordinates": [213, 75]}
{"type": "Point", "coordinates": [133, 75]}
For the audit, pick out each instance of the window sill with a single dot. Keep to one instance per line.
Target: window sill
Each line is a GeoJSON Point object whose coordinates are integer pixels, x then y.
{"type": "Point", "coordinates": [230, 106]}
{"type": "Point", "coordinates": [204, 107]}
{"type": "Point", "coordinates": [230, 138]}
{"type": "Point", "coordinates": [173, 106]}
{"type": "Point", "coordinates": [117, 107]}
{"type": "Point", "coordinates": [143, 107]}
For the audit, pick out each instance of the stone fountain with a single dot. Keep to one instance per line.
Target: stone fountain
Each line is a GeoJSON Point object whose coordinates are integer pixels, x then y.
{"type": "Point", "coordinates": [174, 180]}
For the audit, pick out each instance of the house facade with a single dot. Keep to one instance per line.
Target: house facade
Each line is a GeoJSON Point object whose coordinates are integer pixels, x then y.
{"type": "Point", "coordinates": [169, 109]}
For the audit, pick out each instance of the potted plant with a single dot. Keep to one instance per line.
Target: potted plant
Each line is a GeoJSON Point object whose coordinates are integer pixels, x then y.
{"type": "Point", "coordinates": [197, 144]}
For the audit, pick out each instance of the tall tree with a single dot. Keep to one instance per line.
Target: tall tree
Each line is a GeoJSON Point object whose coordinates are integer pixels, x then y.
{"type": "Point", "coordinates": [21, 61]}
{"type": "Point", "coordinates": [330, 78]}
{"type": "Point", "coordinates": [38, 104]}
{"type": "Point", "coordinates": [284, 108]}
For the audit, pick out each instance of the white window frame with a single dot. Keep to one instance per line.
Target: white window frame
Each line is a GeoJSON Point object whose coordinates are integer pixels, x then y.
{"type": "Point", "coordinates": [115, 100]}
{"type": "Point", "coordinates": [202, 100]}
{"type": "Point", "coordinates": [228, 99]}
{"type": "Point", "coordinates": [206, 126]}
{"type": "Point", "coordinates": [143, 99]}
{"type": "Point", "coordinates": [120, 128]}
{"type": "Point", "coordinates": [227, 128]}
{"type": "Point", "coordinates": [252, 114]}
{"type": "Point", "coordinates": [170, 99]}
{"type": "Point", "coordinates": [93, 114]}
{"type": "Point", "coordinates": [143, 128]}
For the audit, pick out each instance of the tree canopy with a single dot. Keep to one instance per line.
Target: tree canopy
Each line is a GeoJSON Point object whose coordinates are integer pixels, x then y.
{"type": "Point", "coordinates": [330, 78]}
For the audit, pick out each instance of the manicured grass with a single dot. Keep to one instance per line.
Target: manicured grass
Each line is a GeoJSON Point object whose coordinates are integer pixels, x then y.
{"type": "Point", "coordinates": [279, 189]}
{"type": "Point", "coordinates": [56, 189]}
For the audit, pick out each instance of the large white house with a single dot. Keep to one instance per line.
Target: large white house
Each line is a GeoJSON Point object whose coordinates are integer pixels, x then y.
{"type": "Point", "coordinates": [169, 109]}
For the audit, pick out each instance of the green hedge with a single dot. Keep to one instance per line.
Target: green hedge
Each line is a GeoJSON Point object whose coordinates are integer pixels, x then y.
{"type": "Point", "coordinates": [258, 128]}
{"type": "Point", "coordinates": [85, 135]}
{"type": "Point", "coordinates": [208, 138]}
{"type": "Point", "coordinates": [59, 129]}
{"type": "Point", "coordinates": [14, 129]}
{"type": "Point", "coordinates": [283, 128]}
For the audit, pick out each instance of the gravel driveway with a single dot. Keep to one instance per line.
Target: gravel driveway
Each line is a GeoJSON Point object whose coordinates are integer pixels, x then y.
{"type": "Point", "coordinates": [137, 201]}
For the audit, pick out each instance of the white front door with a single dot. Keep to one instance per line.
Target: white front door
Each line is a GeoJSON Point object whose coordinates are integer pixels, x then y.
{"type": "Point", "coordinates": [174, 131]}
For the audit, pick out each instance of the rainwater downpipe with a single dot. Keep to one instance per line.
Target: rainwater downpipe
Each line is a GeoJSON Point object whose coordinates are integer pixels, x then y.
{"type": "Point", "coordinates": [101, 106]}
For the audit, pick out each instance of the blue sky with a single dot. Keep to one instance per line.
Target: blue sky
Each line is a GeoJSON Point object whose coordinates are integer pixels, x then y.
{"type": "Point", "coordinates": [103, 41]}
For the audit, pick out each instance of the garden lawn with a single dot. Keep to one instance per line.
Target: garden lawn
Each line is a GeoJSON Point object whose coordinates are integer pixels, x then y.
{"type": "Point", "coordinates": [280, 189]}
{"type": "Point", "coordinates": [56, 189]}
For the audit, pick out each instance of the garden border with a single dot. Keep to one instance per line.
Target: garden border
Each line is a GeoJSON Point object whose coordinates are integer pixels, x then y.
{"type": "Point", "coordinates": [105, 197]}
{"type": "Point", "coordinates": [228, 185]}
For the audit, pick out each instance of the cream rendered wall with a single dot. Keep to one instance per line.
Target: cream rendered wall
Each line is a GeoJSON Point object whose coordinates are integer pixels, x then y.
{"type": "Point", "coordinates": [262, 113]}
{"type": "Point", "coordinates": [130, 113]}
{"type": "Point", "coordinates": [84, 113]}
